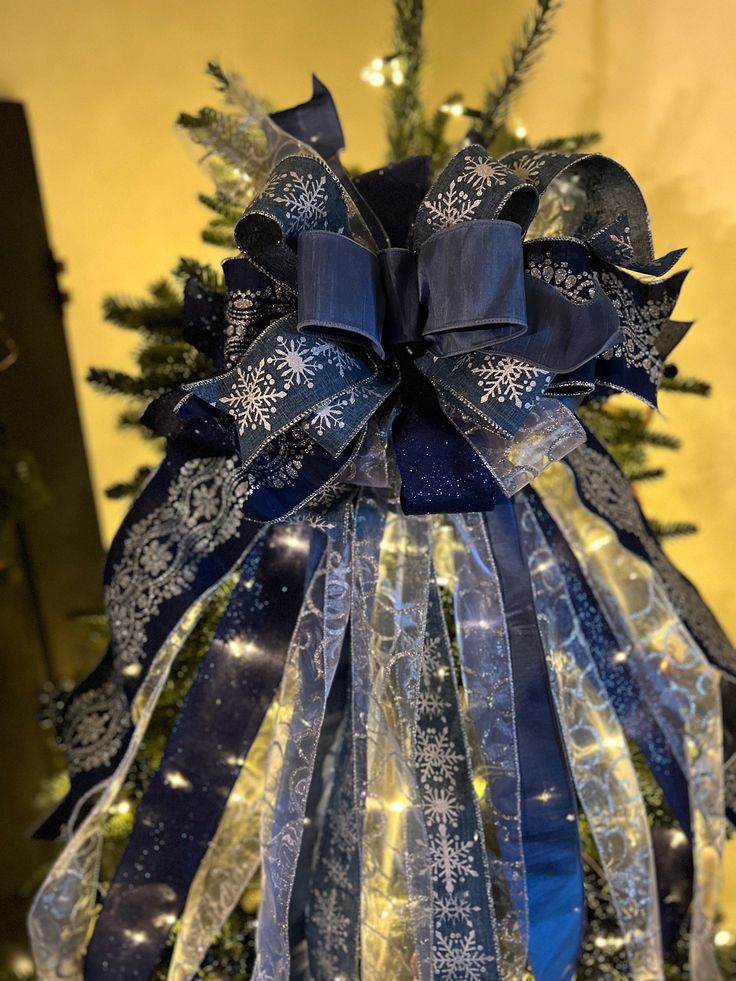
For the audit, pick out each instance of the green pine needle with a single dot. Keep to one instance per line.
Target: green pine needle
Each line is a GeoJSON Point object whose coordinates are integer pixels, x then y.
{"type": "Point", "coordinates": [673, 529]}
{"type": "Point", "coordinates": [570, 144]}
{"type": "Point", "coordinates": [686, 386]}
{"type": "Point", "coordinates": [130, 487]}
{"type": "Point", "coordinates": [406, 128]}
{"type": "Point", "coordinates": [524, 56]}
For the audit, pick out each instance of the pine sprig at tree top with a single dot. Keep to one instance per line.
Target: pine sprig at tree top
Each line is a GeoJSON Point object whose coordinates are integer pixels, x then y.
{"type": "Point", "coordinates": [525, 53]}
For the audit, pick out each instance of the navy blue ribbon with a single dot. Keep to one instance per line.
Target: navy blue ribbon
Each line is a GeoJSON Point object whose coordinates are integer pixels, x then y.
{"type": "Point", "coordinates": [220, 718]}
{"type": "Point", "coordinates": [548, 807]}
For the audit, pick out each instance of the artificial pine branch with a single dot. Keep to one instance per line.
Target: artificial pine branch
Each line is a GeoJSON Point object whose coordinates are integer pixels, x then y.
{"type": "Point", "coordinates": [686, 386]}
{"type": "Point", "coordinates": [208, 276]}
{"type": "Point", "coordinates": [524, 55]}
{"type": "Point", "coordinates": [645, 474]}
{"type": "Point", "coordinates": [219, 235]}
{"type": "Point", "coordinates": [570, 144]}
{"type": "Point", "coordinates": [672, 529]}
{"type": "Point", "coordinates": [155, 383]}
{"type": "Point", "coordinates": [406, 127]}
{"type": "Point", "coordinates": [161, 317]}
{"type": "Point", "coordinates": [130, 487]}
{"type": "Point", "coordinates": [172, 355]}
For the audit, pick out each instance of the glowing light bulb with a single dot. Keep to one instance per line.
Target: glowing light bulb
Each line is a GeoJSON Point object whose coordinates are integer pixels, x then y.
{"type": "Point", "coordinates": [397, 806]}
{"type": "Point", "coordinates": [22, 966]}
{"type": "Point", "coordinates": [397, 76]}
{"type": "Point", "coordinates": [177, 780]}
{"type": "Point", "coordinates": [240, 648]}
{"type": "Point", "coordinates": [723, 938]}
{"type": "Point", "coordinates": [165, 919]}
{"type": "Point", "coordinates": [136, 936]}
{"type": "Point", "coordinates": [520, 132]}
{"type": "Point", "coordinates": [452, 108]}
{"type": "Point", "coordinates": [132, 670]}
{"type": "Point", "coordinates": [377, 64]}
{"type": "Point", "coordinates": [123, 807]}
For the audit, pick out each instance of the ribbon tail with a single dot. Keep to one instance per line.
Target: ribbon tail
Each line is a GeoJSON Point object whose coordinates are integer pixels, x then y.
{"type": "Point", "coordinates": [602, 768]}
{"type": "Point", "coordinates": [229, 864]}
{"type": "Point", "coordinates": [315, 651]}
{"type": "Point", "coordinates": [673, 673]}
{"type": "Point", "coordinates": [62, 909]}
{"type": "Point", "coordinates": [612, 666]}
{"type": "Point", "coordinates": [549, 433]}
{"type": "Point", "coordinates": [333, 910]}
{"type": "Point", "coordinates": [548, 810]}
{"type": "Point", "coordinates": [464, 928]}
{"type": "Point", "coordinates": [465, 559]}
{"type": "Point", "coordinates": [396, 887]}
{"type": "Point", "coordinates": [221, 715]}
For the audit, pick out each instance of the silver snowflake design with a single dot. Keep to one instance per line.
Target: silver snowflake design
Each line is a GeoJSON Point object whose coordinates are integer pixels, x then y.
{"type": "Point", "coordinates": [304, 196]}
{"type": "Point", "coordinates": [335, 356]}
{"type": "Point", "coordinates": [253, 397]}
{"type": "Point", "coordinates": [451, 206]}
{"type": "Point", "coordinates": [339, 873]}
{"type": "Point", "coordinates": [483, 173]}
{"type": "Point", "coordinates": [454, 908]}
{"type": "Point", "coordinates": [345, 831]}
{"type": "Point", "coordinates": [331, 921]}
{"type": "Point", "coordinates": [441, 806]}
{"type": "Point", "coordinates": [452, 859]}
{"type": "Point", "coordinates": [623, 245]}
{"type": "Point", "coordinates": [508, 380]}
{"type": "Point", "coordinates": [641, 325]}
{"type": "Point", "coordinates": [459, 957]}
{"type": "Point", "coordinates": [429, 703]}
{"type": "Point", "coordinates": [526, 168]}
{"type": "Point", "coordinates": [294, 362]}
{"type": "Point", "coordinates": [436, 757]}
{"type": "Point", "coordinates": [328, 416]}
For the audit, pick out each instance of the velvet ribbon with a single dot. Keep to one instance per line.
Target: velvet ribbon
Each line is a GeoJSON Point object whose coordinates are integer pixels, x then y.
{"type": "Point", "coordinates": [181, 808]}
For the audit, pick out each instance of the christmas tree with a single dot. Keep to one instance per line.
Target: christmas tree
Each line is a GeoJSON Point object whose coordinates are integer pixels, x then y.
{"type": "Point", "coordinates": [166, 359]}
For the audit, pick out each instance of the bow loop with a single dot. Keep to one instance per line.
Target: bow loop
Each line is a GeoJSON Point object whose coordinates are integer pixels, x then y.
{"type": "Point", "coordinates": [474, 185]}
{"type": "Point", "coordinates": [471, 284]}
{"type": "Point", "coordinates": [339, 290]}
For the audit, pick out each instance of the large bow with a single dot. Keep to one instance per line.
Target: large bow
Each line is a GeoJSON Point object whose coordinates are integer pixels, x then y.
{"type": "Point", "coordinates": [472, 341]}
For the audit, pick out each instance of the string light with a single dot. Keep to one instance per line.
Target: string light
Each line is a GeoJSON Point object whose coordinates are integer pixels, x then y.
{"type": "Point", "coordinates": [520, 132]}
{"type": "Point", "coordinates": [22, 966]}
{"type": "Point", "coordinates": [389, 69]}
{"type": "Point", "coordinates": [456, 107]}
{"type": "Point", "coordinates": [453, 108]}
{"type": "Point", "coordinates": [240, 648]}
{"type": "Point", "coordinates": [177, 780]}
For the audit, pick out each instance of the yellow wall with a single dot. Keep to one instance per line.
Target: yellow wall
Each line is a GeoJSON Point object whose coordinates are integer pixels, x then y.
{"type": "Point", "coordinates": [103, 82]}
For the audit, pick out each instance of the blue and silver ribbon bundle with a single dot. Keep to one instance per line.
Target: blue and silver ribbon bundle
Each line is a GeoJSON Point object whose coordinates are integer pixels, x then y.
{"type": "Point", "coordinates": [391, 435]}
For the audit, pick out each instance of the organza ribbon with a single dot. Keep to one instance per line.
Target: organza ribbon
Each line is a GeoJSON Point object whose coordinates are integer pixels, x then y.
{"type": "Point", "coordinates": [673, 673]}
{"type": "Point", "coordinates": [604, 775]}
